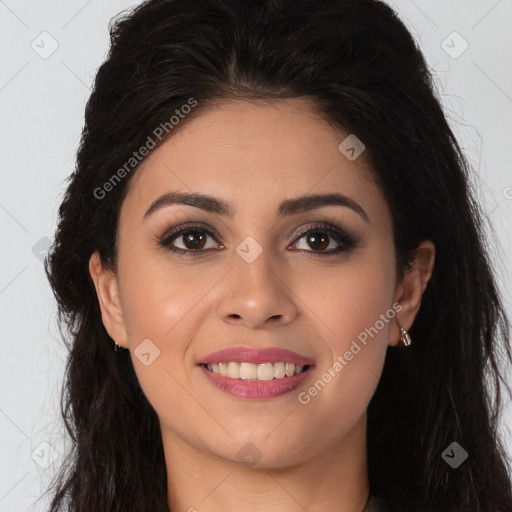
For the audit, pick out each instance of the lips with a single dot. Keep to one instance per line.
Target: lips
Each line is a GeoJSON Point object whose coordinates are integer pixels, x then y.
{"type": "Point", "coordinates": [256, 356]}
{"type": "Point", "coordinates": [256, 389]}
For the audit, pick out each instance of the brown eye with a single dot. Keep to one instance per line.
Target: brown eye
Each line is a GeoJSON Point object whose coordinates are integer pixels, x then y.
{"type": "Point", "coordinates": [194, 240]}
{"type": "Point", "coordinates": [321, 237]}
{"type": "Point", "coordinates": [318, 241]}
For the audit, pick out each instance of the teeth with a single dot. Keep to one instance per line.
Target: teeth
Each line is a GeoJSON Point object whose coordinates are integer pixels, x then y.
{"type": "Point", "coordinates": [279, 370]}
{"type": "Point", "coordinates": [234, 370]}
{"type": "Point", "coordinates": [265, 371]}
{"type": "Point", "coordinates": [250, 371]}
{"type": "Point", "coordinates": [223, 369]}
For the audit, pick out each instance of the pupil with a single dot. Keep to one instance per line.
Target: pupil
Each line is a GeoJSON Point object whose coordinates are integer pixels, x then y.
{"type": "Point", "coordinates": [319, 242]}
{"type": "Point", "coordinates": [192, 239]}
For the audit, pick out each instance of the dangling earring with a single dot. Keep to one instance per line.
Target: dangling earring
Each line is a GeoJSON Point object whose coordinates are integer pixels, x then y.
{"type": "Point", "coordinates": [404, 337]}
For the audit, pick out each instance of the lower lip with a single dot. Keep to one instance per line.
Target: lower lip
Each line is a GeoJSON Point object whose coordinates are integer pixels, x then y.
{"type": "Point", "coordinates": [257, 389]}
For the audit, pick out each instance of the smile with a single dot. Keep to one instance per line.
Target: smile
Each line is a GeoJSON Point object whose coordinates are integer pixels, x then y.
{"type": "Point", "coordinates": [261, 372]}
{"type": "Point", "coordinates": [254, 388]}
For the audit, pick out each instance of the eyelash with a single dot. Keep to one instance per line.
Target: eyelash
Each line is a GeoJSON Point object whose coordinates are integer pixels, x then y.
{"type": "Point", "coordinates": [346, 240]}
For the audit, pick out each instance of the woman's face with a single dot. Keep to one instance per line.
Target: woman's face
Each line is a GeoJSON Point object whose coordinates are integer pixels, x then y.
{"type": "Point", "coordinates": [261, 281]}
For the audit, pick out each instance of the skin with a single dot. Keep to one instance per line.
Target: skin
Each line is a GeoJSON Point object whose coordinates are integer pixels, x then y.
{"type": "Point", "coordinates": [253, 155]}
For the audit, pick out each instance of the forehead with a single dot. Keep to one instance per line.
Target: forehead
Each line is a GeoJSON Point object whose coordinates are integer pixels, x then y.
{"type": "Point", "coordinates": [253, 154]}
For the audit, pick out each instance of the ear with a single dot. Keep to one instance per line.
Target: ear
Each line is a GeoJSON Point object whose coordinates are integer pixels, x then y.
{"type": "Point", "coordinates": [105, 282]}
{"type": "Point", "coordinates": [410, 290]}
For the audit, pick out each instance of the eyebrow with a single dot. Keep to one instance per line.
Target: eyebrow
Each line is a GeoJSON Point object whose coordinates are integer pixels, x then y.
{"type": "Point", "coordinates": [287, 208]}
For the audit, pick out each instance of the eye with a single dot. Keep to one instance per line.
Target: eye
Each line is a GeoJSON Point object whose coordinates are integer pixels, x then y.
{"type": "Point", "coordinates": [193, 240]}
{"type": "Point", "coordinates": [323, 236]}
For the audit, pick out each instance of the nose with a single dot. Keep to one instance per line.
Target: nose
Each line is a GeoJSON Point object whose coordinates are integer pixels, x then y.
{"type": "Point", "coordinates": [254, 294]}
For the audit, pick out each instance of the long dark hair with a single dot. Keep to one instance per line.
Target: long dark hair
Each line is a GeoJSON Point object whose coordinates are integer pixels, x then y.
{"type": "Point", "coordinates": [358, 64]}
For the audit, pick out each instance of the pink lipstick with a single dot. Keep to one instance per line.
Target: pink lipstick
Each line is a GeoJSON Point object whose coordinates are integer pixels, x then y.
{"type": "Point", "coordinates": [250, 373]}
{"type": "Point", "coordinates": [256, 356]}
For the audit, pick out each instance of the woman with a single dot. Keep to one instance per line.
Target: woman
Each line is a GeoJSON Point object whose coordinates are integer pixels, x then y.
{"type": "Point", "coordinates": [274, 273]}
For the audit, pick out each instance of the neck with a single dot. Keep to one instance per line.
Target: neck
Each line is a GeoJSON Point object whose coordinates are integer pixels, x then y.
{"type": "Point", "coordinates": [334, 479]}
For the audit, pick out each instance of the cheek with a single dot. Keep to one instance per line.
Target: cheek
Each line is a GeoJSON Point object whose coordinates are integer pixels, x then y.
{"type": "Point", "coordinates": [353, 304]}
{"type": "Point", "coordinates": [351, 297]}
{"type": "Point", "coordinates": [161, 307]}
{"type": "Point", "coordinates": [158, 298]}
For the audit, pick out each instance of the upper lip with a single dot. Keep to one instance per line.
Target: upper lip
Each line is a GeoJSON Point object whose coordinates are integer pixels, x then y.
{"type": "Point", "coordinates": [256, 355]}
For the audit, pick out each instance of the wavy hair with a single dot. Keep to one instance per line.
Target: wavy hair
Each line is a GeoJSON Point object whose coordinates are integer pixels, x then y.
{"type": "Point", "coordinates": [362, 70]}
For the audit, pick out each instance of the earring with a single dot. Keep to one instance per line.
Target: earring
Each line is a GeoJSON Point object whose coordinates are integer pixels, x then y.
{"type": "Point", "coordinates": [117, 347]}
{"type": "Point", "coordinates": [404, 337]}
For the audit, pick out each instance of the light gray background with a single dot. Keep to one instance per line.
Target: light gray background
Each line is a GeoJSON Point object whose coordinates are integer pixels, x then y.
{"type": "Point", "coordinates": [42, 106]}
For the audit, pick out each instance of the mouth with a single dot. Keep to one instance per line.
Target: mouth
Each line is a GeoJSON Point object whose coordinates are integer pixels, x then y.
{"type": "Point", "coordinates": [250, 373]}
{"type": "Point", "coordinates": [242, 354]}
{"type": "Point", "coordinates": [260, 372]}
